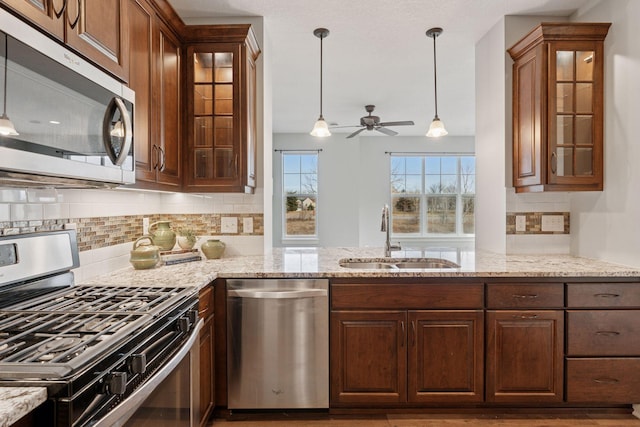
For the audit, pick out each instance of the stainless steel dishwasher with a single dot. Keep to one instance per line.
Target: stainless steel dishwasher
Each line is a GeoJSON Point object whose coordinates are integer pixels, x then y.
{"type": "Point", "coordinates": [277, 343]}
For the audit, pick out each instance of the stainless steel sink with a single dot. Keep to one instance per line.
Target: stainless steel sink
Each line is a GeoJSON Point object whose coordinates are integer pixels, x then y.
{"type": "Point", "coordinates": [396, 263]}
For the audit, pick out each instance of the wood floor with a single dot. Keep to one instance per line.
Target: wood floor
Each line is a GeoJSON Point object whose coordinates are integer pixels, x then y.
{"type": "Point", "coordinates": [431, 420]}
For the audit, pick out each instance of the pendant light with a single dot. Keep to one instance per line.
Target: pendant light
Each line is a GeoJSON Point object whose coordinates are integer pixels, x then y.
{"type": "Point", "coordinates": [6, 127]}
{"type": "Point", "coordinates": [320, 129]}
{"type": "Point", "coordinates": [437, 127]}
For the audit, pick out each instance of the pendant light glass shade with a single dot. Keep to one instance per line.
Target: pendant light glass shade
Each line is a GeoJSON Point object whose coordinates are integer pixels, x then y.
{"type": "Point", "coordinates": [320, 129]}
{"type": "Point", "coordinates": [6, 127]}
{"type": "Point", "coordinates": [436, 128]}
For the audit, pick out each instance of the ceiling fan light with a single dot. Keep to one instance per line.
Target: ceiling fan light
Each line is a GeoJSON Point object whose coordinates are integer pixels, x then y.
{"type": "Point", "coordinates": [320, 129]}
{"type": "Point", "coordinates": [436, 129]}
{"type": "Point", "coordinates": [6, 127]}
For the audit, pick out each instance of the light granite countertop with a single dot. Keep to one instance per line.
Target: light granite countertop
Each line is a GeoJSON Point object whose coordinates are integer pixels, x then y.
{"type": "Point", "coordinates": [325, 263]}
{"type": "Point", "coordinates": [16, 402]}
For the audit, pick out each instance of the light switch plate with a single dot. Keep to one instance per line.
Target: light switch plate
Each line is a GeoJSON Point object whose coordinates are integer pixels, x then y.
{"type": "Point", "coordinates": [229, 224]}
{"type": "Point", "coordinates": [247, 225]}
{"type": "Point", "coordinates": [521, 223]}
{"type": "Point", "coordinates": [552, 223]}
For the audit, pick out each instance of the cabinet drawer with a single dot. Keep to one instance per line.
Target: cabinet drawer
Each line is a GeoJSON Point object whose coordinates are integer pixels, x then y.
{"type": "Point", "coordinates": [603, 295]}
{"type": "Point", "coordinates": [525, 295]}
{"type": "Point", "coordinates": [603, 333]}
{"type": "Point", "coordinates": [606, 380]}
{"type": "Point", "coordinates": [406, 296]}
{"type": "Point", "coordinates": [205, 303]}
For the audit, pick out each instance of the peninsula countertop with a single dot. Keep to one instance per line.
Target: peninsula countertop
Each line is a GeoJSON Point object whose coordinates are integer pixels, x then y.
{"type": "Point", "coordinates": [325, 263]}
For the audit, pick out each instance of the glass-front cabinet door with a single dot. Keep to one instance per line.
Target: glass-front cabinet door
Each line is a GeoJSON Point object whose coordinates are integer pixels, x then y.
{"type": "Point", "coordinates": [575, 113]}
{"type": "Point", "coordinates": [215, 147]}
{"type": "Point", "coordinates": [221, 118]}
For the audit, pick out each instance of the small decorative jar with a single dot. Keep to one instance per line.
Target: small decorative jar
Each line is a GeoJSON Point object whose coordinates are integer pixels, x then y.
{"type": "Point", "coordinates": [163, 236]}
{"type": "Point", "coordinates": [213, 248]}
{"type": "Point", "coordinates": [144, 256]}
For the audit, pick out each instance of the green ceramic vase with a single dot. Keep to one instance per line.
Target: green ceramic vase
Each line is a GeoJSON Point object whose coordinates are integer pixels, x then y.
{"type": "Point", "coordinates": [213, 248]}
{"type": "Point", "coordinates": [163, 236]}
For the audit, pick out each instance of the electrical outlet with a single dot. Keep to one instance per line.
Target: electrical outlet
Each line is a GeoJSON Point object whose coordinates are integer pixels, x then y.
{"type": "Point", "coordinates": [145, 225]}
{"type": "Point", "coordinates": [229, 224]}
{"type": "Point", "coordinates": [521, 223]}
{"type": "Point", "coordinates": [552, 223]}
{"type": "Point", "coordinates": [247, 225]}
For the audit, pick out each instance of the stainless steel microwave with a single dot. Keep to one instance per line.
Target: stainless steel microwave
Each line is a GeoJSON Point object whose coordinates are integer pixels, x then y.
{"type": "Point", "coordinates": [73, 122]}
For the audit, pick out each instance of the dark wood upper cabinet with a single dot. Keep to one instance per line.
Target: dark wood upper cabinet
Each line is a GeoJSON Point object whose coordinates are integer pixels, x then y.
{"type": "Point", "coordinates": [96, 30]}
{"type": "Point", "coordinates": [46, 14]}
{"type": "Point", "coordinates": [558, 108]}
{"type": "Point", "coordinates": [155, 69]}
{"type": "Point", "coordinates": [221, 127]}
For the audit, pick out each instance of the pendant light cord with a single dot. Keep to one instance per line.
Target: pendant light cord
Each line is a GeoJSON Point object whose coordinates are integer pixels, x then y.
{"type": "Point", "coordinates": [321, 38]}
{"type": "Point", "coordinates": [6, 55]}
{"type": "Point", "coordinates": [435, 74]}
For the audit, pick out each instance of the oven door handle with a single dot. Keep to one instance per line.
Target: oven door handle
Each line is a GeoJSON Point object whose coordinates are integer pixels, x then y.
{"type": "Point", "coordinates": [121, 413]}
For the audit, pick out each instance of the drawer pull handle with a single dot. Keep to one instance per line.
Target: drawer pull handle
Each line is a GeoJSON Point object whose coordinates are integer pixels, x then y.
{"type": "Point", "coordinates": [606, 380]}
{"type": "Point", "coordinates": [608, 333]}
{"type": "Point", "coordinates": [524, 296]}
{"type": "Point", "coordinates": [606, 295]}
{"type": "Point", "coordinates": [525, 316]}
{"type": "Point", "coordinates": [403, 333]}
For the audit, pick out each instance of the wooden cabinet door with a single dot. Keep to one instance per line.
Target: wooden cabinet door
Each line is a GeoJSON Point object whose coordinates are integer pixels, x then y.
{"type": "Point", "coordinates": [141, 21]}
{"type": "Point", "coordinates": [167, 97]}
{"type": "Point", "coordinates": [529, 125]}
{"type": "Point", "coordinates": [98, 30]}
{"type": "Point", "coordinates": [368, 357]}
{"type": "Point", "coordinates": [446, 356]}
{"type": "Point", "coordinates": [207, 356]}
{"type": "Point", "coordinates": [207, 380]}
{"type": "Point", "coordinates": [46, 14]}
{"type": "Point", "coordinates": [525, 356]}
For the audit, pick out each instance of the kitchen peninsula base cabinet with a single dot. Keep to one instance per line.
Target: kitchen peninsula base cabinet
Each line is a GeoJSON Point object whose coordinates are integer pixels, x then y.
{"type": "Point", "coordinates": [427, 349]}
{"type": "Point", "coordinates": [525, 340]}
{"type": "Point", "coordinates": [519, 343]}
{"type": "Point", "coordinates": [207, 355]}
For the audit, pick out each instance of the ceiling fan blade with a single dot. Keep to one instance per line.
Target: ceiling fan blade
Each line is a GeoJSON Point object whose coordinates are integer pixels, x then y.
{"type": "Point", "coordinates": [356, 132]}
{"type": "Point", "coordinates": [403, 123]}
{"type": "Point", "coordinates": [386, 131]}
{"type": "Point", "coordinates": [339, 127]}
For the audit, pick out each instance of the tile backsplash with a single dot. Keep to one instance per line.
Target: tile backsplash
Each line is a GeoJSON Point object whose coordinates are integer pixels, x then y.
{"type": "Point", "coordinates": [105, 218]}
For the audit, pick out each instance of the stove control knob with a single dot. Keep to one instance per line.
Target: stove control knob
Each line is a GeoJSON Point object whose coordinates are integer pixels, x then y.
{"type": "Point", "coordinates": [193, 316]}
{"type": "Point", "coordinates": [184, 324]}
{"type": "Point", "coordinates": [138, 363]}
{"type": "Point", "coordinates": [116, 383]}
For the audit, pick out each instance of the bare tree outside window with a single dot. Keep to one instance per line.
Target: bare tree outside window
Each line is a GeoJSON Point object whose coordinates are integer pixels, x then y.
{"type": "Point", "coordinates": [432, 195]}
{"type": "Point", "coordinates": [300, 181]}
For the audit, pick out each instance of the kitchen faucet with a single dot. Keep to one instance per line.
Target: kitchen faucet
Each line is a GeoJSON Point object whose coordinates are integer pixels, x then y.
{"type": "Point", "coordinates": [388, 247]}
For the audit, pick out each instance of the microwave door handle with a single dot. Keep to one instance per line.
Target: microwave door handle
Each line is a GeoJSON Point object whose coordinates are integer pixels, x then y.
{"type": "Point", "coordinates": [117, 158]}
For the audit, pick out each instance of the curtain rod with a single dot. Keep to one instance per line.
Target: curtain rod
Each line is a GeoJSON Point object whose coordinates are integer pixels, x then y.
{"type": "Point", "coordinates": [432, 153]}
{"type": "Point", "coordinates": [317, 150]}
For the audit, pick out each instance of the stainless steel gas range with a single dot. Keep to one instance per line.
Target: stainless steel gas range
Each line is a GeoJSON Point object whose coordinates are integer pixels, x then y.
{"type": "Point", "coordinates": [108, 355]}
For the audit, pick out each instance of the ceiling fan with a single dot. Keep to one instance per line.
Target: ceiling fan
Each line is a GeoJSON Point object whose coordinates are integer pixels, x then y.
{"type": "Point", "coordinates": [373, 123]}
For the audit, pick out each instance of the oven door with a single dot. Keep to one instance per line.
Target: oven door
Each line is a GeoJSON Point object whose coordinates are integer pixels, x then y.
{"type": "Point", "coordinates": [169, 398]}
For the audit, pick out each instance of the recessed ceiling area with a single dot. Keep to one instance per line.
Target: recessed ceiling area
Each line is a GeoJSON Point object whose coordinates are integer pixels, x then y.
{"type": "Point", "coordinates": [377, 53]}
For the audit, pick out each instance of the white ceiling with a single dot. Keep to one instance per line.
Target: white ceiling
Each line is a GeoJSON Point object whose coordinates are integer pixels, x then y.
{"type": "Point", "coordinates": [377, 53]}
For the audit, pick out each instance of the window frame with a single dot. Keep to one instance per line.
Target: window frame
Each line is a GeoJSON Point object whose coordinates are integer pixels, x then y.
{"type": "Point", "coordinates": [293, 238]}
{"type": "Point", "coordinates": [423, 197]}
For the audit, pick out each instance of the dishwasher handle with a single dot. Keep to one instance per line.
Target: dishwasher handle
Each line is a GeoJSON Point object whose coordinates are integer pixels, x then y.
{"type": "Point", "coordinates": [277, 294]}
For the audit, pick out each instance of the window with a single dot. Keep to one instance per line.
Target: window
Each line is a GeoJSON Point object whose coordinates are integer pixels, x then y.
{"type": "Point", "coordinates": [300, 195]}
{"type": "Point", "coordinates": [432, 195]}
